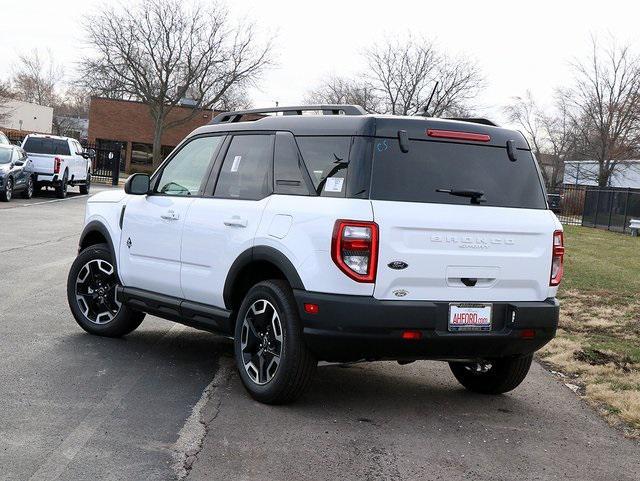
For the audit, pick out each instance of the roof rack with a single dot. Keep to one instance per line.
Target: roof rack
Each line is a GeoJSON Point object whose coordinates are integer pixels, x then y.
{"type": "Point", "coordinates": [474, 120]}
{"type": "Point", "coordinates": [328, 109]}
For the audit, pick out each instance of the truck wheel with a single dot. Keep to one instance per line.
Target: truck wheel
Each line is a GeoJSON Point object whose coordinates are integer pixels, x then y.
{"type": "Point", "coordinates": [7, 191]}
{"type": "Point", "coordinates": [61, 188]}
{"type": "Point", "coordinates": [27, 193]}
{"type": "Point", "coordinates": [84, 188]}
{"type": "Point", "coordinates": [91, 293]}
{"type": "Point", "coordinates": [273, 361]}
{"type": "Point", "coordinates": [492, 377]}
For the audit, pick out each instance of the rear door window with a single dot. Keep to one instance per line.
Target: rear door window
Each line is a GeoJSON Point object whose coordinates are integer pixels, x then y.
{"type": "Point", "coordinates": [246, 170]}
{"type": "Point", "coordinates": [327, 160]}
{"type": "Point", "coordinates": [416, 176]}
{"type": "Point", "coordinates": [43, 145]}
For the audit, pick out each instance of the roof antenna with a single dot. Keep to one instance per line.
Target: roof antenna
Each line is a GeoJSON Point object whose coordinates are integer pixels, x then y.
{"type": "Point", "coordinates": [425, 110]}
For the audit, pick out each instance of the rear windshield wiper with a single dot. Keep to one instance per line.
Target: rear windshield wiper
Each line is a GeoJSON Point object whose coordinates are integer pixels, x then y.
{"type": "Point", "coordinates": [474, 195]}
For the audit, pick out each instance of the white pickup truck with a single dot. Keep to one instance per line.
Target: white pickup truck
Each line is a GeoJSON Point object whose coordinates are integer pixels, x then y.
{"type": "Point", "coordinates": [58, 162]}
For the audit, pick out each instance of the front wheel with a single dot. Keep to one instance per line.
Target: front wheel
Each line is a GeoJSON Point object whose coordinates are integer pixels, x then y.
{"type": "Point", "coordinates": [492, 377]}
{"type": "Point", "coordinates": [272, 359]}
{"type": "Point", "coordinates": [91, 293]}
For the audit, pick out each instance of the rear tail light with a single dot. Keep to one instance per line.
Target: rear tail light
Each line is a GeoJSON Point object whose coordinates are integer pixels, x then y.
{"type": "Point", "coordinates": [354, 249]}
{"type": "Point", "coordinates": [557, 262]}
{"type": "Point", "coordinates": [56, 165]}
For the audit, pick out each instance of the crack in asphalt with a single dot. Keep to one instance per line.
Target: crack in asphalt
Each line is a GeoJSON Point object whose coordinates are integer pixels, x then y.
{"type": "Point", "coordinates": [195, 429]}
{"type": "Point", "coordinates": [40, 244]}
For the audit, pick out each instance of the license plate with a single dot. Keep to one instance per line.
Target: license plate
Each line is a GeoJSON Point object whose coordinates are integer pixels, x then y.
{"type": "Point", "coordinates": [469, 317]}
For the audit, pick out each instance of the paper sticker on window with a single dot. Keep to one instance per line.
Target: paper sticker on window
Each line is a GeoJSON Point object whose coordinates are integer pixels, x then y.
{"type": "Point", "coordinates": [318, 175]}
{"type": "Point", "coordinates": [236, 163]}
{"type": "Point", "coordinates": [334, 184]}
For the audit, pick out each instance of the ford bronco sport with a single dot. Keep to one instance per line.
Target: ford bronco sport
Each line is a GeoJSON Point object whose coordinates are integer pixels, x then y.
{"type": "Point", "coordinates": [339, 237]}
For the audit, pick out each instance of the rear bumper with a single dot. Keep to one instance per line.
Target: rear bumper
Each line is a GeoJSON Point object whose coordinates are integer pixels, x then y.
{"type": "Point", "coordinates": [47, 179]}
{"type": "Point", "coordinates": [351, 328]}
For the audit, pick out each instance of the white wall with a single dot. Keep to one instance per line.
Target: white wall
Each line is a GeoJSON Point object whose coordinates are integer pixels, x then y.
{"type": "Point", "coordinates": [584, 172]}
{"type": "Point", "coordinates": [34, 117]}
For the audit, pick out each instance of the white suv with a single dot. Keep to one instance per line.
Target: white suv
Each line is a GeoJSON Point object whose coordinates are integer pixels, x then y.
{"type": "Point", "coordinates": [338, 237]}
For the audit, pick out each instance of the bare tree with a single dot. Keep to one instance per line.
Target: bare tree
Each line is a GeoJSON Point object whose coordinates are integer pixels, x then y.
{"type": "Point", "coordinates": [401, 77]}
{"type": "Point", "coordinates": [5, 96]}
{"type": "Point", "coordinates": [404, 75]}
{"type": "Point", "coordinates": [36, 78]}
{"type": "Point", "coordinates": [342, 90]}
{"type": "Point", "coordinates": [160, 51]}
{"type": "Point", "coordinates": [603, 106]}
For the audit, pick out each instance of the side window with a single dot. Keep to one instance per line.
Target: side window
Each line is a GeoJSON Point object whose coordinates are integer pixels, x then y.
{"type": "Point", "coordinates": [288, 170]}
{"type": "Point", "coordinates": [245, 172]}
{"type": "Point", "coordinates": [186, 170]}
{"type": "Point", "coordinates": [327, 160]}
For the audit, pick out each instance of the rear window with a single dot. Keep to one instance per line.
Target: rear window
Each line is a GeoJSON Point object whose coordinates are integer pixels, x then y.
{"type": "Point", "coordinates": [41, 145]}
{"type": "Point", "coordinates": [327, 160]}
{"type": "Point", "coordinates": [416, 176]}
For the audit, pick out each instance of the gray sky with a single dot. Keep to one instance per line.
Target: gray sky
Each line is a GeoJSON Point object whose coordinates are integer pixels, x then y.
{"type": "Point", "coordinates": [518, 45]}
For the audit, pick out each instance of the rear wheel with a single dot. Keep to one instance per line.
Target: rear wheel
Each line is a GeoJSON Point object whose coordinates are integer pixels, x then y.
{"type": "Point", "coordinates": [272, 359]}
{"type": "Point", "coordinates": [61, 188]}
{"type": "Point", "coordinates": [91, 293]}
{"type": "Point", "coordinates": [27, 193]}
{"type": "Point", "coordinates": [492, 377]}
{"type": "Point", "coordinates": [7, 191]}
{"type": "Point", "coordinates": [84, 188]}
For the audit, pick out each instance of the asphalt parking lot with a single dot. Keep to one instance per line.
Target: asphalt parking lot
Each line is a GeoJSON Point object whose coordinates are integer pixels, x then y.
{"type": "Point", "coordinates": [165, 402]}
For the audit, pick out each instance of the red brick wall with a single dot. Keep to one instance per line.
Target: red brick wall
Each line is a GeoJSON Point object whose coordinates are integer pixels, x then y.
{"type": "Point", "coordinates": [128, 121]}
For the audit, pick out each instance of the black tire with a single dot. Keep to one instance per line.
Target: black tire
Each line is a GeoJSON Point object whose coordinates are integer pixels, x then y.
{"type": "Point", "coordinates": [7, 190]}
{"type": "Point", "coordinates": [84, 188]}
{"type": "Point", "coordinates": [296, 367]}
{"type": "Point", "coordinates": [123, 320]}
{"type": "Point", "coordinates": [37, 188]}
{"type": "Point", "coordinates": [27, 193]}
{"type": "Point", "coordinates": [61, 188]}
{"type": "Point", "coordinates": [503, 376]}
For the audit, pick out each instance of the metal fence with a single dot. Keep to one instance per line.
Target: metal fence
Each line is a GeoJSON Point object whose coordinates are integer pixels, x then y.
{"type": "Point", "coordinates": [107, 160]}
{"type": "Point", "coordinates": [608, 208]}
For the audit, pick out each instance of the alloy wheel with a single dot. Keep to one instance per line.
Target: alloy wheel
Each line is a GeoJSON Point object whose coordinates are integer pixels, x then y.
{"type": "Point", "coordinates": [96, 291]}
{"type": "Point", "coordinates": [8, 189]}
{"type": "Point", "coordinates": [261, 341]}
{"type": "Point", "coordinates": [30, 187]}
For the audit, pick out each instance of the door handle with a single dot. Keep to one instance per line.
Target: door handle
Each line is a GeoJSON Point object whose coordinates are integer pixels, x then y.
{"type": "Point", "coordinates": [170, 215]}
{"type": "Point", "coordinates": [236, 221]}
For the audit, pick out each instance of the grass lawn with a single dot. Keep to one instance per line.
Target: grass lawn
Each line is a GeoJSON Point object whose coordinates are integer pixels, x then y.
{"type": "Point", "coordinates": [598, 343]}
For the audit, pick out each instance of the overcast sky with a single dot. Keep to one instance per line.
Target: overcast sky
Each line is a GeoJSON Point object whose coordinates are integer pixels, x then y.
{"type": "Point", "coordinates": [518, 45]}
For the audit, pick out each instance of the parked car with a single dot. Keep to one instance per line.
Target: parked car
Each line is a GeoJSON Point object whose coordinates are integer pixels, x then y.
{"type": "Point", "coordinates": [58, 162]}
{"type": "Point", "coordinates": [4, 140]}
{"type": "Point", "coordinates": [555, 202]}
{"type": "Point", "coordinates": [15, 173]}
{"type": "Point", "coordinates": [340, 238]}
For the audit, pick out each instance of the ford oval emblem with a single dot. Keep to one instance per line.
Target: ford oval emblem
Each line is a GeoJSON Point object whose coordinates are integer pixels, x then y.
{"type": "Point", "coordinates": [398, 265]}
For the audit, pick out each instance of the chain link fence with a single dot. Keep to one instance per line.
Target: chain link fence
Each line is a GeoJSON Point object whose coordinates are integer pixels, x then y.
{"type": "Point", "coordinates": [610, 208]}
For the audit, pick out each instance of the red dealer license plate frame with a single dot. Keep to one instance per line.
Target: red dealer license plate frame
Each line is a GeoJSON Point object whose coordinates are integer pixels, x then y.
{"type": "Point", "coordinates": [470, 316]}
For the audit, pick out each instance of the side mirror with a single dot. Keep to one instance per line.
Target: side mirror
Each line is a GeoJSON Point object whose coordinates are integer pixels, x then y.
{"type": "Point", "coordinates": [138, 184]}
{"type": "Point", "coordinates": [85, 155]}
{"type": "Point", "coordinates": [19, 163]}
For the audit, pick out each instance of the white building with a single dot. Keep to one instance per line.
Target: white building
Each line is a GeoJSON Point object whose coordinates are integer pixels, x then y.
{"type": "Point", "coordinates": [585, 172]}
{"type": "Point", "coordinates": [26, 116]}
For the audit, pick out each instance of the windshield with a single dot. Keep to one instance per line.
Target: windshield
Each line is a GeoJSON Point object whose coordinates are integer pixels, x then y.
{"type": "Point", "coordinates": [451, 173]}
{"type": "Point", "coordinates": [43, 145]}
{"type": "Point", "coordinates": [5, 156]}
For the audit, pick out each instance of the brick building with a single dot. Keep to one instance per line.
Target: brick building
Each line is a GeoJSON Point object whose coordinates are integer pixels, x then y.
{"type": "Point", "coordinates": [128, 125]}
